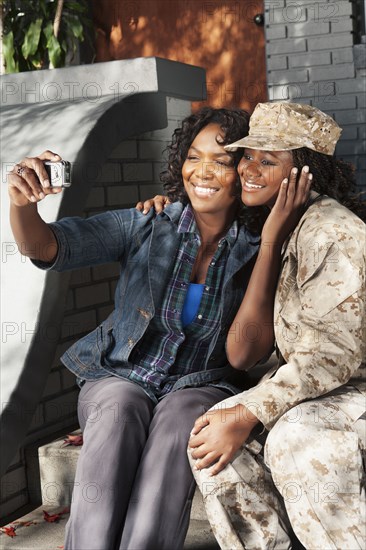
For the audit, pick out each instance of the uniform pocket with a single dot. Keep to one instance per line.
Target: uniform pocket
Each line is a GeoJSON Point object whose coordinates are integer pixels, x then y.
{"type": "Point", "coordinates": [327, 283]}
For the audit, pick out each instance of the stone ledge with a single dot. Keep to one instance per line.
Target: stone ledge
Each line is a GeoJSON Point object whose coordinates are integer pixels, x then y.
{"type": "Point", "coordinates": [106, 79]}
{"type": "Point", "coordinates": [33, 532]}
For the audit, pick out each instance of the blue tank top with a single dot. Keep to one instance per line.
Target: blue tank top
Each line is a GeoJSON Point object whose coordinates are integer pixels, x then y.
{"type": "Point", "coordinates": [191, 303]}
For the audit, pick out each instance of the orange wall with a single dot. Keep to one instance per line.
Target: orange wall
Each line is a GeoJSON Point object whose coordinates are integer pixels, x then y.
{"type": "Point", "coordinates": [218, 36]}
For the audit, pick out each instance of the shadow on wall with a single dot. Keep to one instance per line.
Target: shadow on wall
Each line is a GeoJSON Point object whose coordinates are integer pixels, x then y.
{"type": "Point", "coordinates": [219, 36]}
{"type": "Point", "coordinates": [26, 364]}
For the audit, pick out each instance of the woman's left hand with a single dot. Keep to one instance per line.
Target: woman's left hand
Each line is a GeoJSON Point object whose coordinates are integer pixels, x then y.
{"type": "Point", "coordinates": [288, 208]}
{"type": "Point", "coordinates": [218, 435]}
{"type": "Point", "coordinates": [159, 202]}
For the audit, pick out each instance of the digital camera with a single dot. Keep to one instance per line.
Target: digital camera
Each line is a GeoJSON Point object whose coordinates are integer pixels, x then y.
{"type": "Point", "coordinates": [59, 173]}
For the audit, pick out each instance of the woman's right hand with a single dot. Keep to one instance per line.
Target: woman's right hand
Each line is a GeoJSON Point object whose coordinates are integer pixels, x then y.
{"type": "Point", "coordinates": [159, 202]}
{"type": "Point", "coordinates": [28, 182]}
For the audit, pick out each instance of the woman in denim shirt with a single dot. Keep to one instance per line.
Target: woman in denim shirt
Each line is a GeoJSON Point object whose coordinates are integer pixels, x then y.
{"type": "Point", "coordinates": [184, 274]}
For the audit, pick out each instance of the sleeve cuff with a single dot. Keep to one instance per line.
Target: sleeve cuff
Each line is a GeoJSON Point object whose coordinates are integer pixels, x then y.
{"type": "Point", "coordinates": [61, 241]}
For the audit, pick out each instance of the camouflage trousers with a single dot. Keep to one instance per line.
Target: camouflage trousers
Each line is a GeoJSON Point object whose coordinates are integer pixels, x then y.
{"type": "Point", "coordinates": [309, 477]}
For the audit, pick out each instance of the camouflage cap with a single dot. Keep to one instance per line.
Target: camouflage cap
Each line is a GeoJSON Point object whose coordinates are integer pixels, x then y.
{"type": "Point", "coordinates": [285, 126]}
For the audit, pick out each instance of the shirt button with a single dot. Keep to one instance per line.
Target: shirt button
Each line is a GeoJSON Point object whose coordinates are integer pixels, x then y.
{"type": "Point", "coordinates": [207, 288]}
{"type": "Point", "coordinates": [199, 316]}
{"type": "Point", "coordinates": [213, 263]}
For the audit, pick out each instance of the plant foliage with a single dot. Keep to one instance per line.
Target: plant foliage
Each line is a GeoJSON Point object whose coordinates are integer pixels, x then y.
{"type": "Point", "coordinates": [29, 41]}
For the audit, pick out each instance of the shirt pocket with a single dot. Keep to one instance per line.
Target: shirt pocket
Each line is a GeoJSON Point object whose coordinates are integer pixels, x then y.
{"type": "Point", "coordinates": [327, 282]}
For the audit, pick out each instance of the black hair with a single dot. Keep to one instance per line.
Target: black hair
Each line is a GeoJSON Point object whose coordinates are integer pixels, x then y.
{"type": "Point", "coordinates": [332, 177]}
{"type": "Point", "coordinates": [233, 122]}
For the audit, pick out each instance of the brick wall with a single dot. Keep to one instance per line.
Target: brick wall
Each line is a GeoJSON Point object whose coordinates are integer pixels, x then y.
{"type": "Point", "coordinates": [130, 174]}
{"type": "Point", "coordinates": [311, 55]}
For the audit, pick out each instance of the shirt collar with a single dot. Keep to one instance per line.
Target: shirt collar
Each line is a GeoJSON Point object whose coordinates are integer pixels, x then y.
{"type": "Point", "coordinates": [187, 224]}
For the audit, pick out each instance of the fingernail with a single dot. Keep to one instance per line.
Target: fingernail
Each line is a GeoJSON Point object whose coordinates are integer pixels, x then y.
{"type": "Point", "coordinates": [306, 169]}
{"type": "Point", "coordinates": [310, 176]}
{"type": "Point", "coordinates": [41, 195]}
{"type": "Point", "coordinates": [46, 183]}
{"type": "Point", "coordinates": [285, 180]}
{"type": "Point", "coordinates": [294, 171]}
{"type": "Point", "coordinates": [144, 211]}
{"type": "Point", "coordinates": [33, 199]}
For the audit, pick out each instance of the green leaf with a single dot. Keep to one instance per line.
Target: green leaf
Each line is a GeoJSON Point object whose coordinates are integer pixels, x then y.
{"type": "Point", "coordinates": [64, 46]}
{"type": "Point", "coordinates": [48, 32]}
{"type": "Point", "coordinates": [75, 6]}
{"type": "Point", "coordinates": [31, 38]}
{"type": "Point", "coordinates": [43, 7]}
{"type": "Point", "coordinates": [76, 27]}
{"type": "Point", "coordinates": [8, 53]}
{"type": "Point", "coordinates": [54, 51]}
{"type": "Point", "coordinates": [36, 60]}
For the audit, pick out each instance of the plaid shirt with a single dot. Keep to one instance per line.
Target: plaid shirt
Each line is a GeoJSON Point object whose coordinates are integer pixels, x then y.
{"type": "Point", "coordinates": [167, 351]}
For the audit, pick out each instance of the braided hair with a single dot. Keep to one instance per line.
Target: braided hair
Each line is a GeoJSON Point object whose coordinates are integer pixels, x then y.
{"type": "Point", "coordinates": [332, 177]}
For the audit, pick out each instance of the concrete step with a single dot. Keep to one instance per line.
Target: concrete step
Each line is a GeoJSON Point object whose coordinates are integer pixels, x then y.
{"type": "Point", "coordinates": [57, 464]}
{"type": "Point", "coordinates": [33, 532]}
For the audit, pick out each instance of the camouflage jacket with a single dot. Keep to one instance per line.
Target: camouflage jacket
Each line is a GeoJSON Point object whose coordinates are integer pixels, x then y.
{"type": "Point", "coordinates": [319, 312]}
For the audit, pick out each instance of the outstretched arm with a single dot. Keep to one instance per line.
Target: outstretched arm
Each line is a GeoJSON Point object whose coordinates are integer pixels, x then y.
{"type": "Point", "coordinates": [28, 184]}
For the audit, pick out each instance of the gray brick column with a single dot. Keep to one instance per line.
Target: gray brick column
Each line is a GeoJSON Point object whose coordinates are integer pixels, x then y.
{"type": "Point", "coordinates": [312, 58]}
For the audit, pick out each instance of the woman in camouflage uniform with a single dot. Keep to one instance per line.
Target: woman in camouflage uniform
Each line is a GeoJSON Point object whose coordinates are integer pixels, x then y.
{"type": "Point", "coordinates": [307, 473]}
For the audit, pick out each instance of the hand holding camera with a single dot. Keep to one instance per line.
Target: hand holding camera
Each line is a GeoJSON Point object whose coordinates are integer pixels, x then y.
{"type": "Point", "coordinates": [35, 177]}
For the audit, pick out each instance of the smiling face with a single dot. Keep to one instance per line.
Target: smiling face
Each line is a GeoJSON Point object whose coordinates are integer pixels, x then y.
{"type": "Point", "coordinates": [261, 174]}
{"type": "Point", "coordinates": [209, 174]}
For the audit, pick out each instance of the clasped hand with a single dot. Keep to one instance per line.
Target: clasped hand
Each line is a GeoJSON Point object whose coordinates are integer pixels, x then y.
{"type": "Point", "coordinates": [218, 435]}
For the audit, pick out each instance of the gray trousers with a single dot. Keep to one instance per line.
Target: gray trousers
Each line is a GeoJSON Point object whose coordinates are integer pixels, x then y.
{"type": "Point", "coordinates": [133, 486]}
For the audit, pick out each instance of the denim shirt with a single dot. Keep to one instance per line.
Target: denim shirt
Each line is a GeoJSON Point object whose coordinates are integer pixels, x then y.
{"type": "Point", "coordinates": [146, 247]}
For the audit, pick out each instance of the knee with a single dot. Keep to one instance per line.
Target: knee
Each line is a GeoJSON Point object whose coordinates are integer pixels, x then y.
{"type": "Point", "coordinates": [179, 407]}
{"type": "Point", "coordinates": [113, 403]}
{"type": "Point", "coordinates": [175, 415]}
